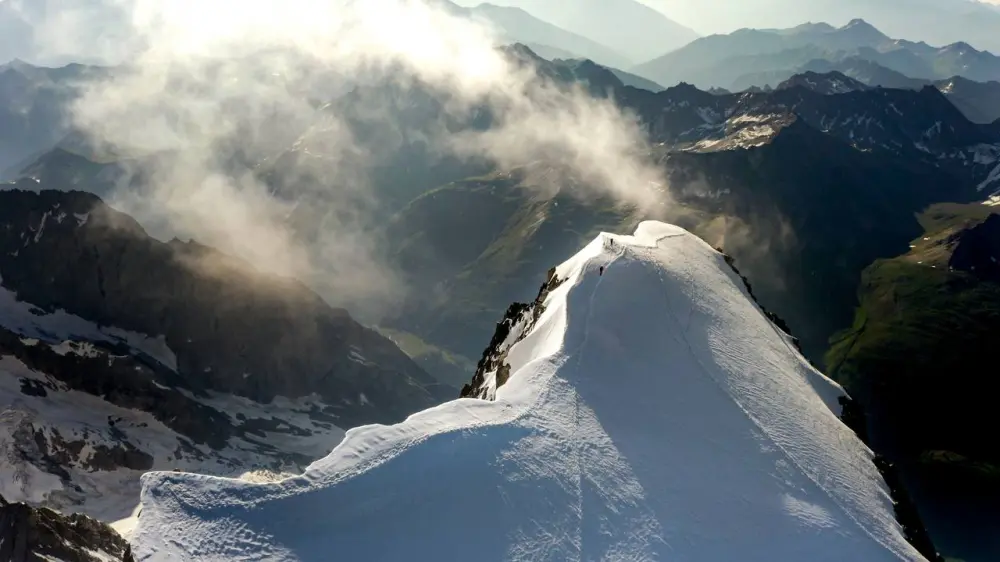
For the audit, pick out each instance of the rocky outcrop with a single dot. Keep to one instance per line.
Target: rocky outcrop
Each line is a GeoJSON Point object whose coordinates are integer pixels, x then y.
{"type": "Point", "coordinates": [232, 328]}
{"type": "Point", "coordinates": [122, 380]}
{"type": "Point", "coordinates": [29, 534]}
{"type": "Point", "coordinates": [774, 318]}
{"type": "Point", "coordinates": [493, 371]}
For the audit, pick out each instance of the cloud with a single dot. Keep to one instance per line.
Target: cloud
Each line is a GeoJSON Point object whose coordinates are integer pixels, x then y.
{"type": "Point", "coordinates": [216, 93]}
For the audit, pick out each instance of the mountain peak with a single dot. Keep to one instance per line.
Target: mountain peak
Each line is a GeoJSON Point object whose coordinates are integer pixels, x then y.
{"type": "Point", "coordinates": [863, 31]}
{"type": "Point", "coordinates": [858, 23]}
{"type": "Point", "coordinates": [833, 82]}
{"type": "Point", "coordinates": [19, 66]}
{"type": "Point", "coordinates": [644, 385]}
{"type": "Point", "coordinates": [961, 47]}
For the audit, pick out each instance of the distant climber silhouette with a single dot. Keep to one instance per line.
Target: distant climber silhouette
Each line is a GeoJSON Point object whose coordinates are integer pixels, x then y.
{"type": "Point", "coordinates": [601, 271]}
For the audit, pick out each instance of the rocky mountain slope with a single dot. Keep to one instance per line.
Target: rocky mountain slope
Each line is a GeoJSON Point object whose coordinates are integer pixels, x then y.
{"type": "Point", "coordinates": [29, 534]}
{"type": "Point", "coordinates": [917, 357]}
{"type": "Point", "coordinates": [121, 354]}
{"type": "Point", "coordinates": [827, 84]}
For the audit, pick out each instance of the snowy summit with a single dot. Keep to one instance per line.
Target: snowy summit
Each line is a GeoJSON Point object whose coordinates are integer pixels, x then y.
{"type": "Point", "coordinates": [651, 412]}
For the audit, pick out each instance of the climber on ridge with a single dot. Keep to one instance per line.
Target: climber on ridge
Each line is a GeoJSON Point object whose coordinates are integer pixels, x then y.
{"type": "Point", "coordinates": [601, 273]}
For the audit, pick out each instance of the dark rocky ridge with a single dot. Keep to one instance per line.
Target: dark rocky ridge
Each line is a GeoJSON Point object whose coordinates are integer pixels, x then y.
{"type": "Point", "coordinates": [495, 355]}
{"type": "Point", "coordinates": [233, 329]}
{"type": "Point", "coordinates": [774, 318]}
{"type": "Point", "coordinates": [29, 534]}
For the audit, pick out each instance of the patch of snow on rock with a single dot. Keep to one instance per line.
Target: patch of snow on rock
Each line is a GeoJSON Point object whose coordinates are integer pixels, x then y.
{"type": "Point", "coordinates": [59, 326]}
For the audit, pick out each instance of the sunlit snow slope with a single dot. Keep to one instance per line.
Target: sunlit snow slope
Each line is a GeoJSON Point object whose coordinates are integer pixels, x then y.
{"type": "Point", "coordinates": [653, 413]}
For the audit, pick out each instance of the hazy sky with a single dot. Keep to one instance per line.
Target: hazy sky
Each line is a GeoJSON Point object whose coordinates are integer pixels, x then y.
{"type": "Point", "coordinates": [938, 22]}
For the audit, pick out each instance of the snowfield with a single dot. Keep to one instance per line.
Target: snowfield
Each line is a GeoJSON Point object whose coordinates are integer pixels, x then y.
{"type": "Point", "coordinates": [652, 413]}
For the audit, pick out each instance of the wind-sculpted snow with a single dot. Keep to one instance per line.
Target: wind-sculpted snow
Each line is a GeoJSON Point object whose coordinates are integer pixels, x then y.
{"type": "Point", "coordinates": [652, 413]}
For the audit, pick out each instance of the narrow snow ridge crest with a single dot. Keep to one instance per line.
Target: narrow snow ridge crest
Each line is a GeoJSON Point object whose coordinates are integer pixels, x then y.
{"type": "Point", "coordinates": [652, 412]}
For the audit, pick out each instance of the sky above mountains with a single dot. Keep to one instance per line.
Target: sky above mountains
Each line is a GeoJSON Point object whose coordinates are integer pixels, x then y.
{"type": "Point", "coordinates": [938, 22]}
{"type": "Point", "coordinates": [36, 30]}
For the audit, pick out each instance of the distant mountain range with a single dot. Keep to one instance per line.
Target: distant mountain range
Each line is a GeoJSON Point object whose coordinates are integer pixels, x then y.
{"type": "Point", "coordinates": [626, 26]}
{"type": "Point", "coordinates": [34, 113]}
{"type": "Point", "coordinates": [723, 60]}
{"type": "Point", "coordinates": [938, 22]}
{"type": "Point", "coordinates": [979, 101]}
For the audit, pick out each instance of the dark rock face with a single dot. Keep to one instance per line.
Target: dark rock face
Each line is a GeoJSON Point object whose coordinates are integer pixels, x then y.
{"type": "Point", "coordinates": [232, 328]}
{"type": "Point", "coordinates": [495, 355]}
{"type": "Point", "coordinates": [978, 250]}
{"type": "Point", "coordinates": [29, 534]}
{"type": "Point", "coordinates": [812, 213]}
{"type": "Point", "coordinates": [853, 416]}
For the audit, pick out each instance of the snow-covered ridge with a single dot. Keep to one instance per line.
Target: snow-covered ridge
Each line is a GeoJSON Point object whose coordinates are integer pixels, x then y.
{"type": "Point", "coordinates": [651, 413]}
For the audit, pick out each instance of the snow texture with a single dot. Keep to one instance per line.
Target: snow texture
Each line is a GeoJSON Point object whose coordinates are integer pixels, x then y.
{"type": "Point", "coordinates": [653, 413]}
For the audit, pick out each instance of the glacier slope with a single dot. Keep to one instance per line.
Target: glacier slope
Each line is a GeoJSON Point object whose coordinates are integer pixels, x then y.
{"type": "Point", "coordinates": [653, 413]}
